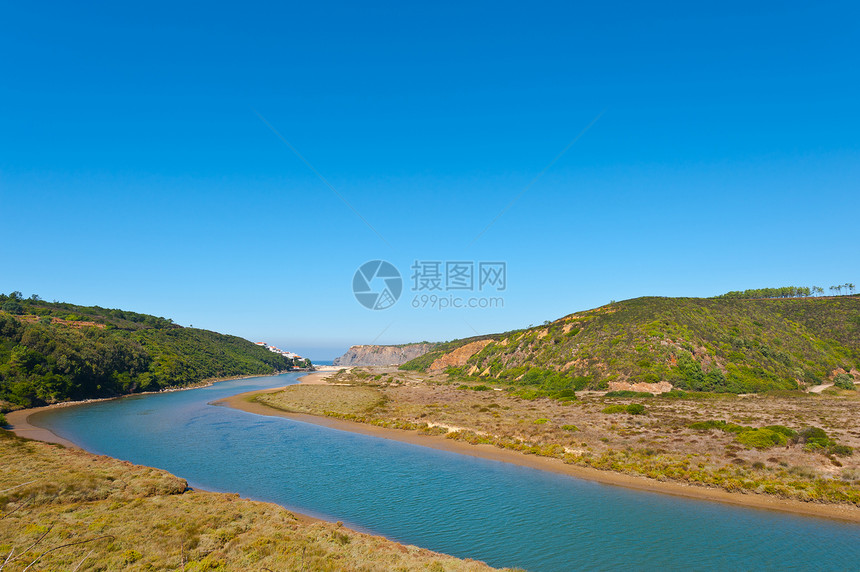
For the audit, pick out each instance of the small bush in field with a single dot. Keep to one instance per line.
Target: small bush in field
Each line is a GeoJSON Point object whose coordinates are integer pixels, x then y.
{"type": "Point", "coordinates": [628, 393]}
{"type": "Point", "coordinates": [844, 381]}
{"type": "Point", "coordinates": [816, 437]}
{"type": "Point", "coordinates": [632, 409]}
{"type": "Point", "coordinates": [761, 438]}
{"type": "Point", "coordinates": [635, 409]}
{"type": "Point", "coordinates": [841, 450]}
{"type": "Point", "coordinates": [615, 409]}
{"type": "Point", "coordinates": [782, 430]}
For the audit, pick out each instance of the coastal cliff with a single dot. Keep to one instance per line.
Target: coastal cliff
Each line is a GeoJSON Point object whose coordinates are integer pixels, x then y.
{"type": "Point", "coordinates": [382, 355]}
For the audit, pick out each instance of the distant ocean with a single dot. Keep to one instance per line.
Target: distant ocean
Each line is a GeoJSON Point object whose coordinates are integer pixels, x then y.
{"type": "Point", "coordinates": [322, 361]}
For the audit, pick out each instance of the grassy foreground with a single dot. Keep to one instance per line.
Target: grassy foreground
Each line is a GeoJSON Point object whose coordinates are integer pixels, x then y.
{"type": "Point", "coordinates": [65, 509]}
{"type": "Point", "coordinates": [786, 445]}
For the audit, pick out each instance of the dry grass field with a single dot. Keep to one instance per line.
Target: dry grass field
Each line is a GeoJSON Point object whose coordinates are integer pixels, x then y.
{"type": "Point", "coordinates": [334, 400]}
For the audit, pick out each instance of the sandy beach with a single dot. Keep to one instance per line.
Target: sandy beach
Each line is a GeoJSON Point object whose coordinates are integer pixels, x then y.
{"type": "Point", "coordinates": [245, 402]}
{"type": "Point", "coordinates": [19, 424]}
{"type": "Point", "coordinates": [319, 376]}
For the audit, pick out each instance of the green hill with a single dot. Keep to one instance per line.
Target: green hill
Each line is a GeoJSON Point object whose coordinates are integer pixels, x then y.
{"type": "Point", "coordinates": [715, 344]}
{"type": "Point", "coordinates": [51, 352]}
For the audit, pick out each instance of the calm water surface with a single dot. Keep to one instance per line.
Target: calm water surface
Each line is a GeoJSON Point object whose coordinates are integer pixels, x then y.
{"type": "Point", "coordinates": [502, 514]}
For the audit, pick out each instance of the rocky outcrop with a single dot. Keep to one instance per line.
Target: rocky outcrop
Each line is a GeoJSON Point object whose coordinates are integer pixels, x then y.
{"type": "Point", "coordinates": [459, 356]}
{"type": "Point", "coordinates": [382, 355]}
{"type": "Point", "coordinates": [655, 388]}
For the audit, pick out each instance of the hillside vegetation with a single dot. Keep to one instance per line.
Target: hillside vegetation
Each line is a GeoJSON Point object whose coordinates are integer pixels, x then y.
{"type": "Point", "coordinates": [719, 345]}
{"type": "Point", "coordinates": [51, 352]}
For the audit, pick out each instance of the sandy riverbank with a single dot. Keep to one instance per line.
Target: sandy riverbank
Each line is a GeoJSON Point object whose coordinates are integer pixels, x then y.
{"type": "Point", "coordinates": [19, 424]}
{"type": "Point", "coordinates": [245, 402]}
{"type": "Point", "coordinates": [319, 376]}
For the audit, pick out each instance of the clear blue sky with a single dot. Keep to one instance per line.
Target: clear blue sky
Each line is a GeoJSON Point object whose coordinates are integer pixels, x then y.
{"type": "Point", "coordinates": [136, 173]}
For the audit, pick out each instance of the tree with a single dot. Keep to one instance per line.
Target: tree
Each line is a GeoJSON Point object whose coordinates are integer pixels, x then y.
{"type": "Point", "coordinates": [13, 306]}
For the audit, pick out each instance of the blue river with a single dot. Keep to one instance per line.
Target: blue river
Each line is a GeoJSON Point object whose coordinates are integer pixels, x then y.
{"type": "Point", "coordinates": [500, 513]}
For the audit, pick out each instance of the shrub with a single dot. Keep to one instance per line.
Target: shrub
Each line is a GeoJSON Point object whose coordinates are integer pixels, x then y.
{"type": "Point", "coordinates": [790, 433]}
{"type": "Point", "coordinates": [3, 421]}
{"type": "Point", "coordinates": [529, 394]}
{"type": "Point", "coordinates": [570, 428]}
{"type": "Point", "coordinates": [131, 556]}
{"type": "Point", "coordinates": [844, 381]}
{"type": "Point", "coordinates": [482, 388]}
{"type": "Point", "coordinates": [615, 409]}
{"type": "Point", "coordinates": [841, 450]}
{"type": "Point", "coordinates": [675, 394]}
{"type": "Point", "coordinates": [628, 393]}
{"type": "Point", "coordinates": [761, 438]}
{"type": "Point", "coordinates": [632, 409]}
{"type": "Point", "coordinates": [814, 436]}
{"type": "Point", "coordinates": [540, 421]}
{"type": "Point", "coordinates": [565, 395]}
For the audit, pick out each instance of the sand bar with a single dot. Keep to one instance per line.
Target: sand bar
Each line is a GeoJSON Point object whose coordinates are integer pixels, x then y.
{"type": "Point", "coordinates": [245, 402]}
